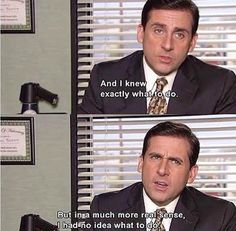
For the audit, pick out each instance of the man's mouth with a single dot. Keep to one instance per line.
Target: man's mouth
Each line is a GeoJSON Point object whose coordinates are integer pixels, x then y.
{"type": "Point", "coordinates": [165, 59]}
{"type": "Point", "coordinates": [160, 185]}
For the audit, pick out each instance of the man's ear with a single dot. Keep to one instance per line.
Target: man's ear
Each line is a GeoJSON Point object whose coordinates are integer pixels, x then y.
{"type": "Point", "coordinates": [140, 164]}
{"type": "Point", "coordinates": [192, 174]}
{"type": "Point", "coordinates": [140, 33]}
{"type": "Point", "coordinates": [193, 42]}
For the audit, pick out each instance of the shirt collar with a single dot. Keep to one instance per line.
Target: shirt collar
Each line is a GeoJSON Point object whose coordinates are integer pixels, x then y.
{"type": "Point", "coordinates": [151, 207]}
{"type": "Point", "coordinates": [151, 77]}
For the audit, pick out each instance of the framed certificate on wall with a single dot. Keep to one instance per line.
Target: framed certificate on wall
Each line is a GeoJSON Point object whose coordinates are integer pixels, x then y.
{"type": "Point", "coordinates": [17, 16]}
{"type": "Point", "coordinates": [17, 143]}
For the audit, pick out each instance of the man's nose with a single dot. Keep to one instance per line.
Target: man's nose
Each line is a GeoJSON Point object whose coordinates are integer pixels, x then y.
{"type": "Point", "coordinates": [167, 42]}
{"type": "Point", "coordinates": [163, 168]}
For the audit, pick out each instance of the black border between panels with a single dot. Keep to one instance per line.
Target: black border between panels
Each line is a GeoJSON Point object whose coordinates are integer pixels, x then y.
{"type": "Point", "coordinates": [74, 100]}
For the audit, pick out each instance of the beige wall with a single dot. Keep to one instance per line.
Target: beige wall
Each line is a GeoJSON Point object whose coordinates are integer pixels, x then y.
{"type": "Point", "coordinates": [43, 188]}
{"type": "Point", "coordinates": [44, 58]}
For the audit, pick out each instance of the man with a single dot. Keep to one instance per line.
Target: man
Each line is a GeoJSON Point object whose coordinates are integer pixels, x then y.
{"type": "Point", "coordinates": [187, 86]}
{"type": "Point", "coordinates": [168, 163]}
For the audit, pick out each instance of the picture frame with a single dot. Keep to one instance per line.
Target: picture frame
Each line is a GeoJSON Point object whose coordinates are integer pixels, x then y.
{"type": "Point", "coordinates": [17, 16]}
{"type": "Point", "coordinates": [17, 141]}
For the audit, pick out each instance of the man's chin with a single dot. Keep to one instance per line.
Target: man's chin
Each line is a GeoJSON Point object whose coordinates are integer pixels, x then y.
{"type": "Point", "coordinates": [161, 202]}
{"type": "Point", "coordinates": [161, 199]}
{"type": "Point", "coordinates": [163, 71]}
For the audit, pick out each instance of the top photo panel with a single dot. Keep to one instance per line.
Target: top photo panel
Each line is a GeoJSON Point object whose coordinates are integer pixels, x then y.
{"type": "Point", "coordinates": [156, 57]}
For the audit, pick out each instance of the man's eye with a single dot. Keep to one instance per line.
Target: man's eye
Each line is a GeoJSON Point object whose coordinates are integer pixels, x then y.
{"type": "Point", "coordinates": [176, 162]}
{"type": "Point", "coordinates": [158, 31]}
{"type": "Point", "coordinates": [155, 157]}
{"type": "Point", "coordinates": [179, 35]}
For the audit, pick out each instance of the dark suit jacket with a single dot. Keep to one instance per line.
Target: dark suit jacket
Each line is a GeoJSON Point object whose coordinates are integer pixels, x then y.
{"type": "Point", "coordinates": [201, 212]}
{"type": "Point", "coordinates": [201, 88]}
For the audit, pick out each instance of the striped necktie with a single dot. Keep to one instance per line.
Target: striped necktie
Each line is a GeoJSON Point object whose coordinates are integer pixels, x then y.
{"type": "Point", "coordinates": [158, 104]}
{"type": "Point", "coordinates": [157, 224]}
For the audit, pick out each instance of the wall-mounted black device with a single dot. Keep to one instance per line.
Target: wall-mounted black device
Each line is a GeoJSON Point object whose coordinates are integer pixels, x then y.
{"type": "Point", "coordinates": [31, 93]}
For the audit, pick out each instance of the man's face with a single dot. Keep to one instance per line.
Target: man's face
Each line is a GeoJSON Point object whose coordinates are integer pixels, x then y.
{"type": "Point", "coordinates": [167, 39]}
{"type": "Point", "coordinates": [165, 168]}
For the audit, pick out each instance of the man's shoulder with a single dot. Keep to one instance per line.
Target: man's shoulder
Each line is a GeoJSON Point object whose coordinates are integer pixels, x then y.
{"type": "Point", "coordinates": [125, 61]}
{"type": "Point", "coordinates": [119, 199]}
{"type": "Point", "coordinates": [193, 64]}
{"type": "Point", "coordinates": [121, 194]}
{"type": "Point", "coordinates": [203, 200]}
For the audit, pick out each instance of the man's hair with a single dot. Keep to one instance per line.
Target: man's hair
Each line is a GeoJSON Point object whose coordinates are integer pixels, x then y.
{"type": "Point", "coordinates": [178, 130]}
{"type": "Point", "coordinates": [186, 5]}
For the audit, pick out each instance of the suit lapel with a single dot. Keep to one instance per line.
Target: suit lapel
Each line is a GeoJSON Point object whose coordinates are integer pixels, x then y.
{"type": "Point", "coordinates": [187, 207]}
{"type": "Point", "coordinates": [136, 205]}
{"type": "Point", "coordinates": [185, 86]}
{"type": "Point", "coordinates": [139, 209]}
{"type": "Point", "coordinates": [135, 73]}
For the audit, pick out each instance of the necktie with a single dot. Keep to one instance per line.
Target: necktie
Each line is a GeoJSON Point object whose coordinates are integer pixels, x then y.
{"type": "Point", "coordinates": [157, 225]}
{"type": "Point", "coordinates": [158, 104]}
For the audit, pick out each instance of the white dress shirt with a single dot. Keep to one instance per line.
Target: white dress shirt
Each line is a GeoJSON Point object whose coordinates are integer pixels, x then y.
{"type": "Point", "coordinates": [151, 77]}
{"type": "Point", "coordinates": [151, 207]}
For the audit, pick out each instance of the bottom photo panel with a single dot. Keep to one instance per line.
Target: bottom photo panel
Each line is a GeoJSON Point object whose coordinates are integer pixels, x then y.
{"type": "Point", "coordinates": [155, 173]}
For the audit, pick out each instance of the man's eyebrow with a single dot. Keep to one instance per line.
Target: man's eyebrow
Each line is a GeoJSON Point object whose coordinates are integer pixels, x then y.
{"type": "Point", "coordinates": [154, 153]}
{"type": "Point", "coordinates": [169, 157]}
{"type": "Point", "coordinates": [176, 29]}
{"type": "Point", "coordinates": [175, 158]}
{"type": "Point", "coordinates": [158, 24]}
